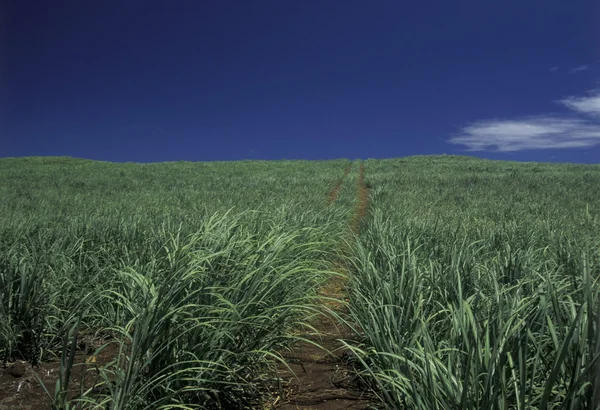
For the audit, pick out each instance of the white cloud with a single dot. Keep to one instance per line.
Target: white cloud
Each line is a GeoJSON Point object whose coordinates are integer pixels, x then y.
{"type": "Point", "coordinates": [579, 69]}
{"type": "Point", "coordinates": [586, 105]}
{"type": "Point", "coordinates": [553, 69]}
{"type": "Point", "coordinates": [542, 132]}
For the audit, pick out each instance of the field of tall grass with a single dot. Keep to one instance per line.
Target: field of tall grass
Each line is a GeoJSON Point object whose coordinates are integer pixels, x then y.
{"type": "Point", "coordinates": [475, 284]}
{"type": "Point", "coordinates": [472, 283]}
{"type": "Point", "coordinates": [195, 275]}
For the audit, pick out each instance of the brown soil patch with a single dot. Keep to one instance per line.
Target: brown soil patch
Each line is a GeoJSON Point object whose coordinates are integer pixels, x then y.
{"type": "Point", "coordinates": [335, 192]}
{"type": "Point", "coordinates": [20, 388]}
{"type": "Point", "coordinates": [323, 376]}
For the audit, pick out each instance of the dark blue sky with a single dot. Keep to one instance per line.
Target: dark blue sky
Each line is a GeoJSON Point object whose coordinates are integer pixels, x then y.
{"type": "Point", "coordinates": [314, 79]}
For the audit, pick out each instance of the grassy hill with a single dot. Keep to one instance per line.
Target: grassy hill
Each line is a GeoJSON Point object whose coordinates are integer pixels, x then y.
{"type": "Point", "coordinates": [476, 284]}
{"type": "Point", "coordinates": [472, 283]}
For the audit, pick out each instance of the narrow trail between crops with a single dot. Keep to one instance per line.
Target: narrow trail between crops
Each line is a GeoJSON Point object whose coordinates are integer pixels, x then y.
{"type": "Point", "coordinates": [335, 192]}
{"type": "Point", "coordinates": [323, 377]}
{"type": "Point", "coordinates": [363, 201]}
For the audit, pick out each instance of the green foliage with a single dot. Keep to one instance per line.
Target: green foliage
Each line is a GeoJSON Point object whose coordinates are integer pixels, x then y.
{"type": "Point", "coordinates": [196, 274]}
{"type": "Point", "coordinates": [475, 285]}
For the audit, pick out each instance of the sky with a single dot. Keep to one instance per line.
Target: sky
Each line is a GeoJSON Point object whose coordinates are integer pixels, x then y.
{"type": "Point", "coordinates": [212, 80]}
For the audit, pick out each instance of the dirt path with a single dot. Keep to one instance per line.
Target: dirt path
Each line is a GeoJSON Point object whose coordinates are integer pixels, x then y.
{"type": "Point", "coordinates": [335, 192]}
{"type": "Point", "coordinates": [362, 205]}
{"type": "Point", "coordinates": [323, 378]}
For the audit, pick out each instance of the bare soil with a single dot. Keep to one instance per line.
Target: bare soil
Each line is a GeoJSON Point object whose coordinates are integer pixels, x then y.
{"type": "Point", "coordinates": [324, 376]}
{"type": "Point", "coordinates": [20, 387]}
{"type": "Point", "coordinates": [335, 192]}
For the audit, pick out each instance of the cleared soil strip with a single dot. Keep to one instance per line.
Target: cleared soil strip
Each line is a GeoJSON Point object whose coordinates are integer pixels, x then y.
{"type": "Point", "coordinates": [20, 388]}
{"type": "Point", "coordinates": [362, 206]}
{"type": "Point", "coordinates": [335, 192]}
{"type": "Point", "coordinates": [323, 378]}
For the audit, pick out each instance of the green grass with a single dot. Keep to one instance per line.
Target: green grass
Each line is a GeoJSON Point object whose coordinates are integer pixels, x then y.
{"type": "Point", "coordinates": [199, 274]}
{"type": "Point", "coordinates": [473, 283]}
